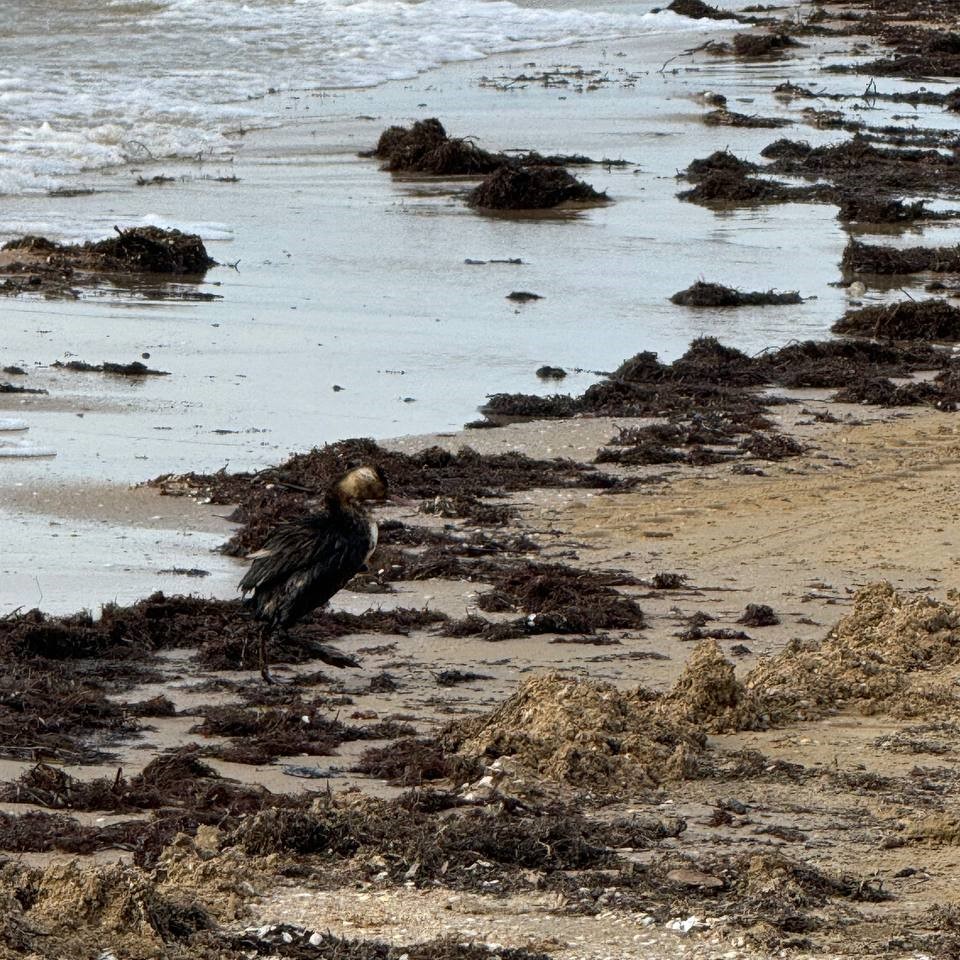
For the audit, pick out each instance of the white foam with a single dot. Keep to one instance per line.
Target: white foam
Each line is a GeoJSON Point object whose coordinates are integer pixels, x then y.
{"type": "Point", "coordinates": [207, 230]}
{"type": "Point", "coordinates": [85, 86]}
{"type": "Point", "coordinates": [10, 424]}
{"type": "Point", "coordinates": [65, 226]}
{"type": "Point", "coordinates": [22, 448]}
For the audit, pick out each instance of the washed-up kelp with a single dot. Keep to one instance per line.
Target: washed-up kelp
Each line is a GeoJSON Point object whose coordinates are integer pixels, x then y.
{"type": "Point", "coordinates": [701, 294]}
{"type": "Point", "coordinates": [931, 319]}
{"type": "Point", "coordinates": [137, 250]}
{"type": "Point", "coordinates": [532, 188]}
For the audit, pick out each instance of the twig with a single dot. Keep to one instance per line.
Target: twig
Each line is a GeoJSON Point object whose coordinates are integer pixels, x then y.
{"type": "Point", "coordinates": [687, 53]}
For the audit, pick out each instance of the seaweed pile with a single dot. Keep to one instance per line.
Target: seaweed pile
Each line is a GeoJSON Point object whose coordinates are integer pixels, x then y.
{"type": "Point", "coordinates": [931, 319]}
{"type": "Point", "coordinates": [856, 166]}
{"type": "Point", "coordinates": [552, 598]}
{"type": "Point", "coordinates": [714, 381]}
{"type": "Point", "coordinates": [137, 250]}
{"type": "Point", "coordinates": [883, 392]}
{"type": "Point", "coordinates": [718, 181]}
{"type": "Point", "coordinates": [545, 597]}
{"type": "Point", "coordinates": [524, 181]}
{"type": "Point", "coordinates": [861, 178]}
{"type": "Point", "coordinates": [722, 117]}
{"type": "Point", "coordinates": [258, 735]}
{"type": "Point", "coordinates": [658, 443]}
{"type": "Point", "coordinates": [720, 161]}
{"type": "Point", "coordinates": [426, 148]}
{"type": "Point", "coordinates": [748, 45]}
{"type": "Point", "coordinates": [829, 363]}
{"type": "Point", "coordinates": [125, 639]}
{"type": "Point", "coordinates": [920, 53]}
{"type": "Point", "coordinates": [177, 789]}
{"type": "Point", "coordinates": [863, 258]}
{"type": "Point", "coordinates": [284, 492]}
{"type": "Point", "coordinates": [698, 10]}
{"type": "Point", "coordinates": [867, 208]}
{"type": "Point", "coordinates": [133, 369]}
{"type": "Point", "coordinates": [702, 294]}
{"type": "Point", "coordinates": [532, 188]}
{"type": "Point", "coordinates": [54, 714]}
{"type": "Point", "coordinates": [708, 378]}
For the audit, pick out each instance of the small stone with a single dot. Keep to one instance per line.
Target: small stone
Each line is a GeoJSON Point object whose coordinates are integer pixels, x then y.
{"type": "Point", "coordinates": [689, 877]}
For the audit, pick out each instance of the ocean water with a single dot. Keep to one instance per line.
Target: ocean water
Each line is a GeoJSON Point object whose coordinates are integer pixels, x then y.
{"type": "Point", "coordinates": [349, 302]}
{"type": "Point", "coordinates": [86, 84]}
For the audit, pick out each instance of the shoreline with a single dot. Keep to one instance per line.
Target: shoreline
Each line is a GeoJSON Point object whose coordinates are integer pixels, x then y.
{"type": "Point", "coordinates": [245, 393]}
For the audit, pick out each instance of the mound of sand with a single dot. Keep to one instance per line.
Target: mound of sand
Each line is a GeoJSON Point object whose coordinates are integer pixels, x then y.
{"type": "Point", "coordinates": [878, 658]}
{"type": "Point", "coordinates": [585, 734]}
{"type": "Point", "coordinates": [590, 735]}
{"type": "Point", "coordinates": [708, 696]}
{"type": "Point", "coordinates": [69, 910]}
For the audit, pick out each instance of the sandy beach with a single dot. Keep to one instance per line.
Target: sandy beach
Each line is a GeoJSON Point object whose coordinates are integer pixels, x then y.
{"type": "Point", "coordinates": [621, 693]}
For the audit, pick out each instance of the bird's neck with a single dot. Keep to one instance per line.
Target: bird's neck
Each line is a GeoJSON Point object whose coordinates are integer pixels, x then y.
{"type": "Point", "coordinates": [339, 498]}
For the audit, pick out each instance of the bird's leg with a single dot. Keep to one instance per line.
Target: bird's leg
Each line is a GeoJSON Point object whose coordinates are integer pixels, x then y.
{"type": "Point", "coordinates": [265, 634]}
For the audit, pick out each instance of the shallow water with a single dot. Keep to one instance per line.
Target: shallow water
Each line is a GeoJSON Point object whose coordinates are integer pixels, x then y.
{"type": "Point", "coordinates": [87, 83]}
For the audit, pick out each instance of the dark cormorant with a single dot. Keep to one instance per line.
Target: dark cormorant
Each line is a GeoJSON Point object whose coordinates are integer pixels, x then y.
{"type": "Point", "coordinates": [304, 563]}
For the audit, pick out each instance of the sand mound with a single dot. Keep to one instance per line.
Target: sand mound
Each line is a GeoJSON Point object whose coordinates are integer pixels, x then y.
{"type": "Point", "coordinates": [593, 736]}
{"type": "Point", "coordinates": [77, 910]}
{"type": "Point", "coordinates": [708, 695]}
{"type": "Point", "coordinates": [876, 658]}
{"type": "Point", "coordinates": [72, 911]}
{"type": "Point", "coordinates": [222, 879]}
{"type": "Point", "coordinates": [586, 734]}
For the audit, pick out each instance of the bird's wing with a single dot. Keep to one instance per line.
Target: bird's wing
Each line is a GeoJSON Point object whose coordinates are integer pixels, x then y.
{"type": "Point", "coordinates": [314, 547]}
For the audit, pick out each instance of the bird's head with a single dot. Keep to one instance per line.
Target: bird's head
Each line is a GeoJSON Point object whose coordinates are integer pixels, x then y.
{"type": "Point", "coordinates": [362, 483]}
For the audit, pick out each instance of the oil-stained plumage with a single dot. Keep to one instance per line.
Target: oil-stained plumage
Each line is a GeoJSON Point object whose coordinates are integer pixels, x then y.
{"type": "Point", "coordinates": [304, 563]}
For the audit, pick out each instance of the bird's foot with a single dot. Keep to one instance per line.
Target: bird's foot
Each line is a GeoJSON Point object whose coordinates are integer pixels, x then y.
{"type": "Point", "coordinates": [273, 681]}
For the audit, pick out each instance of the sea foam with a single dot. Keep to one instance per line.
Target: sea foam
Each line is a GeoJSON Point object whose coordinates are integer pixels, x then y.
{"type": "Point", "coordinates": [86, 86]}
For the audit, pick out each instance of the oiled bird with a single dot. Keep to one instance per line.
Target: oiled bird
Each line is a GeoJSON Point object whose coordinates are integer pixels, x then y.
{"type": "Point", "coordinates": [304, 563]}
